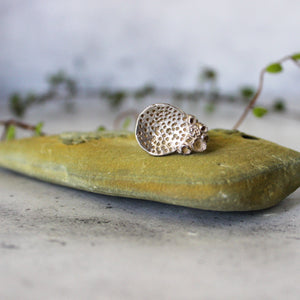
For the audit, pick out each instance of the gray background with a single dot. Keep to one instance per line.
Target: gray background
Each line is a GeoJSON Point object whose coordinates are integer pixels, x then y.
{"type": "Point", "coordinates": [129, 43]}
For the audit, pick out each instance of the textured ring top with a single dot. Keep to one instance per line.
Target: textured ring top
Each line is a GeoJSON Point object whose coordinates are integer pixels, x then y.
{"type": "Point", "coordinates": [163, 129]}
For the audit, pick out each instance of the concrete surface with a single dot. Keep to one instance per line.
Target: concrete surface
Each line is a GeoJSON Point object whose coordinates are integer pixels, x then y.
{"type": "Point", "coordinates": [59, 243]}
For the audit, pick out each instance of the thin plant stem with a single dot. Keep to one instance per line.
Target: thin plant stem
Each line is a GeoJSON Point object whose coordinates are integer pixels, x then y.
{"type": "Point", "coordinates": [16, 123]}
{"type": "Point", "coordinates": [259, 90]}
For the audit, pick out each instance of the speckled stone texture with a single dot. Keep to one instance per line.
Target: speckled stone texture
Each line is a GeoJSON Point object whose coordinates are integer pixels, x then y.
{"type": "Point", "coordinates": [237, 172]}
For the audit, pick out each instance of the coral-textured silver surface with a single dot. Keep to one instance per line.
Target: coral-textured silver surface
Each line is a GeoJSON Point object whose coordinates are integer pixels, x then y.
{"type": "Point", "coordinates": [163, 129]}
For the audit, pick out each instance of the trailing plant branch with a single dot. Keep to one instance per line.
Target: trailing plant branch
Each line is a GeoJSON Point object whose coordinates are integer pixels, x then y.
{"type": "Point", "coordinates": [62, 85]}
{"type": "Point", "coordinates": [37, 129]}
{"type": "Point", "coordinates": [59, 83]}
{"type": "Point", "coordinates": [272, 68]}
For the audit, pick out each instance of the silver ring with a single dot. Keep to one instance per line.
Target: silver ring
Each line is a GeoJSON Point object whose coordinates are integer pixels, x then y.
{"type": "Point", "coordinates": [163, 129]}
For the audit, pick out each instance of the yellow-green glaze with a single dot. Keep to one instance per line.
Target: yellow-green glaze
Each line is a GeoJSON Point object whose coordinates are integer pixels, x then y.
{"type": "Point", "coordinates": [236, 173]}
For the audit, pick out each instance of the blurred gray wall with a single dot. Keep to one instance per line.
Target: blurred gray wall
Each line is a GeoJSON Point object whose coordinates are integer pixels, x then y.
{"type": "Point", "coordinates": [130, 42]}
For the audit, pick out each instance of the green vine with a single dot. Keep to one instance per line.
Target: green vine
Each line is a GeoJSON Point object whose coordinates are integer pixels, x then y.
{"type": "Point", "coordinates": [273, 68]}
{"type": "Point", "coordinates": [60, 83]}
{"type": "Point", "coordinates": [9, 132]}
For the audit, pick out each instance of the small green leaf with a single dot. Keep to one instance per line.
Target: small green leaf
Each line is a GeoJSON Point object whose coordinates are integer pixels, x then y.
{"type": "Point", "coordinates": [38, 129]}
{"type": "Point", "coordinates": [116, 97]}
{"type": "Point", "coordinates": [17, 105]}
{"type": "Point", "coordinates": [210, 107]}
{"type": "Point", "coordinates": [101, 128]}
{"type": "Point", "coordinates": [208, 74]}
{"type": "Point", "coordinates": [279, 105]}
{"type": "Point", "coordinates": [57, 78]}
{"type": "Point", "coordinates": [11, 133]}
{"type": "Point", "coordinates": [145, 91]}
{"type": "Point", "coordinates": [259, 111]}
{"type": "Point", "coordinates": [274, 68]}
{"type": "Point", "coordinates": [126, 123]}
{"type": "Point", "coordinates": [247, 92]}
{"type": "Point", "coordinates": [296, 56]}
